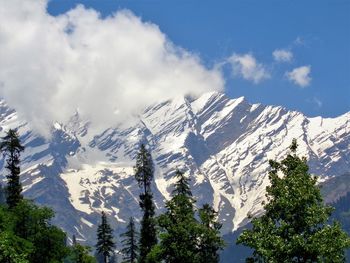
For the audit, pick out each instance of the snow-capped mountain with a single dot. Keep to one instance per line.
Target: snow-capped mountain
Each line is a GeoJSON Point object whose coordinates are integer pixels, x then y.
{"type": "Point", "coordinates": [223, 144]}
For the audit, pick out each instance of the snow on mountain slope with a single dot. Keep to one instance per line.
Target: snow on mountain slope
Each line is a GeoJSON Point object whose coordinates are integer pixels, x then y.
{"type": "Point", "coordinates": [223, 144]}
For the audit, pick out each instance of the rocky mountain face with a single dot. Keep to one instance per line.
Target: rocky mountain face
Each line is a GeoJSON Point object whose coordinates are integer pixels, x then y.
{"type": "Point", "coordinates": [223, 144]}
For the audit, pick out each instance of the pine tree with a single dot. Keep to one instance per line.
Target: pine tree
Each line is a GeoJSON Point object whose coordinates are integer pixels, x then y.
{"type": "Point", "coordinates": [210, 239]}
{"type": "Point", "coordinates": [26, 232]}
{"type": "Point", "coordinates": [130, 249]}
{"type": "Point", "coordinates": [295, 225]}
{"type": "Point", "coordinates": [12, 148]}
{"type": "Point", "coordinates": [144, 169]}
{"type": "Point", "coordinates": [180, 229]}
{"type": "Point", "coordinates": [144, 175]}
{"type": "Point", "coordinates": [105, 244]}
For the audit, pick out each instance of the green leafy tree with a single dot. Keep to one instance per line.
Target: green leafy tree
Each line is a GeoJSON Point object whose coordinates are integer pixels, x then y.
{"type": "Point", "coordinates": [29, 236]}
{"type": "Point", "coordinates": [30, 219]}
{"type": "Point", "coordinates": [32, 223]}
{"type": "Point", "coordinates": [295, 226]}
{"type": "Point", "coordinates": [130, 249]}
{"type": "Point", "coordinates": [180, 229]}
{"type": "Point", "coordinates": [210, 240]}
{"type": "Point", "coordinates": [26, 232]}
{"type": "Point", "coordinates": [50, 245]}
{"type": "Point", "coordinates": [6, 220]}
{"type": "Point", "coordinates": [144, 171]}
{"type": "Point", "coordinates": [105, 244]}
{"type": "Point", "coordinates": [12, 148]}
{"type": "Point", "coordinates": [14, 249]}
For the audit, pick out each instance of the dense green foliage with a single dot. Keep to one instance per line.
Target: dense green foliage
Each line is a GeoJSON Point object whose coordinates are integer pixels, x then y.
{"type": "Point", "coordinates": [144, 175]}
{"type": "Point", "coordinates": [12, 148]}
{"type": "Point", "coordinates": [105, 244]}
{"type": "Point", "coordinates": [183, 238]}
{"type": "Point", "coordinates": [26, 229]}
{"type": "Point", "coordinates": [295, 225]}
{"type": "Point", "coordinates": [79, 254]}
{"type": "Point", "coordinates": [130, 238]}
{"type": "Point", "coordinates": [179, 226]}
{"type": "Point", "coordinates": [26, 234]}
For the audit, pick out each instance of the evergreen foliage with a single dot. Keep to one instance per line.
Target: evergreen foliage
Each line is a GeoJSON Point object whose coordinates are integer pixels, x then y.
{"type": "Point", "coordinates": [32, 223]}
{"type": "Point", "coordinates": [295, 225]}
{"type": "Point", "coordinates": [80, 254]}
{"type": "Point", "coordinates": [178, 240]}
{"type": "Point", "coordinates": [105, 244]}
{"type": "Point", "coordinates": [183, 237]}
{"type": "Point", "coordinates": [210, 239]}
{"type": "Point", "coordinates": [12, 148]}
{"type": "Point", "coordinates": [13, 249]}
{"type": "Point", "coordinates": [144, 169]}
{"type": "Point", "coordinates": [26, 234]}
{"type": "Point", "coordinates": [144, 175]}
{"type": "Point", "coordinates": [130, 249]}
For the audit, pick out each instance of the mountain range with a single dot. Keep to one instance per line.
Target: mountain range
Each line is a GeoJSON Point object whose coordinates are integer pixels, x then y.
{"type": "Point", "coordinates": [222, 144]}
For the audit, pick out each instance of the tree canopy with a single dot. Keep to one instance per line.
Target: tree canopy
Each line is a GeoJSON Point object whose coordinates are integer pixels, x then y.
{"type": "Point", "coordinates": [183, 238]}
{"type": "Point", "coordinates": [105, 244]}
{"type": "Point", "coordinates": [144, 170]}
{"type": "Point", "coordinates": [12, 148]}
{"type": "Point", "coordinates": [130, 237]}
{"type": "Point", "coordinates": [295, 226]}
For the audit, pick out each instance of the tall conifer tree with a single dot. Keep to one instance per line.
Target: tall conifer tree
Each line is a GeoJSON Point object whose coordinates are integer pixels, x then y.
{"type": "Point", "coordinates": [105, 244]}
{"type": "Point", "coordinates": [144, 175]}
{"type": "Point", "coordinates": [12, 148]}
{"type": "Point", "coordinates": [130, 249]}
{"type": "Point", "coordinates": [180, 229]}
{"type": "Point", "coordinates": [183, 238]}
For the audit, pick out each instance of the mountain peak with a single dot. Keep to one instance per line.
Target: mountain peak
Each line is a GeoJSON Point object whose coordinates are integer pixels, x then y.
{"type": "Point", "coordinates": [223, 144]}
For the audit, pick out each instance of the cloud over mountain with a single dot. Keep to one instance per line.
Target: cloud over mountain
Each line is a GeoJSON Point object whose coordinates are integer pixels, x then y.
{"type": "Point", "coordinates": [107, 69]}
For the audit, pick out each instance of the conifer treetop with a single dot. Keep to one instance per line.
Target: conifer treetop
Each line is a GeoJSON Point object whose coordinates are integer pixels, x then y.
{"type": "Point", "coordinates": [295, 226]}
{"type": "Point", "coordinates": [144, 169]}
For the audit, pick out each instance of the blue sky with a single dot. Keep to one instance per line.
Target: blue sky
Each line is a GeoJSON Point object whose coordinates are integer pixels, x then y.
{"type": "Point", "coordinates": [315, 33]}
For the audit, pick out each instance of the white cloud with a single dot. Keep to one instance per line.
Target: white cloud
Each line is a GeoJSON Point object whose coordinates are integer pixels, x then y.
{"type": "Point", "coordinates": [108, 69]}
{"type": "Point", "coordinates": [282, 55]}
{"type": "Point", "coordinates": [247, 67]}
{"type": "Point", "coordinates": [300, 76]}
